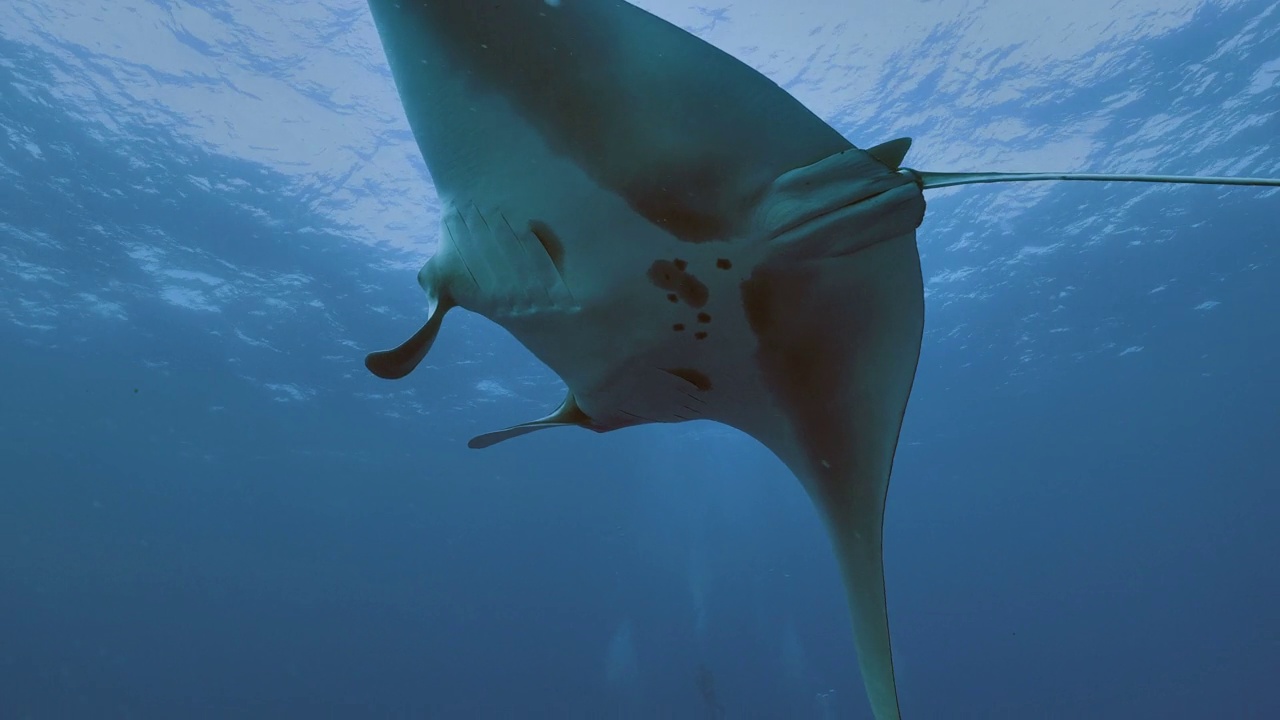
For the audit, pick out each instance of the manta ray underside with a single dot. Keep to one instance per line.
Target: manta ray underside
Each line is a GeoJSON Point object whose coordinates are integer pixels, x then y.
{"type": "Point", "coordinates": [678, 238]}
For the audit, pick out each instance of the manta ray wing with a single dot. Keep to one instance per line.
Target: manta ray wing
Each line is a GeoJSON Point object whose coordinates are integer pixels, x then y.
{"type": "Point", "coordinates": [839, 343]}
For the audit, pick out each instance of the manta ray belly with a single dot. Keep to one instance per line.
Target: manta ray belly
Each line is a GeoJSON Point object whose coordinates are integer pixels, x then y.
{"type": "Point", "coordinates": [643, 338]}
{"type": "Point", "coordinates": [661, 336]}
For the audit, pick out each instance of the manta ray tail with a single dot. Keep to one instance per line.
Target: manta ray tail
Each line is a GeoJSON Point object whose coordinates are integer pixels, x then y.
{"type": "Point", "coordinates": [931, 180]}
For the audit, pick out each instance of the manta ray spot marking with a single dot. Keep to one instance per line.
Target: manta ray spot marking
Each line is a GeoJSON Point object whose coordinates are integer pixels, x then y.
{"type": "Point", "coordinates": [724, 264]}
{"type": "Point", "coordinates": [682, 285]}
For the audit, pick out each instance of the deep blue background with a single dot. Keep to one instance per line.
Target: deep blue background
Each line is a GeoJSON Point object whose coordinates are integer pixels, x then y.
{"type": "Point", "coordinates": [1071, 532]}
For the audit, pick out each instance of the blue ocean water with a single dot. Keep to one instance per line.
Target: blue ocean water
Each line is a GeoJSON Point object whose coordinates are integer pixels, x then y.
{"type": "Point", "coordinates": [208, 509]}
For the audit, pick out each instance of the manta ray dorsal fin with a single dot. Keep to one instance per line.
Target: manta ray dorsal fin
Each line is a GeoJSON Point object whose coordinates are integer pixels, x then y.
{"type": "Point", "coordinates": [568, 414]}
{"type": "Point", "coordinates": [892, 153]}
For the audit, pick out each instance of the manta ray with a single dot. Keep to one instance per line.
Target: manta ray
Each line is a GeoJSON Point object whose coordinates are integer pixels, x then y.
{"type": "Point", "coordinates": [678, 238]}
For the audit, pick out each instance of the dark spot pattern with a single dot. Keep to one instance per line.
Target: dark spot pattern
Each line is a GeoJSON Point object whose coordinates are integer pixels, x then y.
{"type": "Point", "coordinates": [550, 243]}
{"type": "Point", "coordinates": [696, 378]}
{"type": "Point", "coordinates": [700, 335]}
{"type": "Point", "coordinates": [681, 264]}
{"type": "Point", "coordinates": [683, 285]}
{"type": "Point", "coordinates": [678, 327]}
{"type": "Point", "coordinates": [673, 297]}
{"type": "Point", "coordinates": [724, 264]}
{"type": "Point", "coordinates": [704, 318]}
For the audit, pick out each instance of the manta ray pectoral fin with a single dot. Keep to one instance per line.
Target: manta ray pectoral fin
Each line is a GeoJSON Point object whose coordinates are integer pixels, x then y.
{"type": "Point", "coordinates": [400, 361]}
{"type": "Point", "coordinates": [838, 342]}
{"type": "Point", "coordinates": [839, 205]}
{"type": "Point", "coordinates": [567, 415]}
{"type": "Point", "coordinates": [892, 153]}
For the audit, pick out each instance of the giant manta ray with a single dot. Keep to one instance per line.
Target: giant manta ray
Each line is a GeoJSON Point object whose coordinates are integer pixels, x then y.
{"type": "Point", "coordinates": [679, 239]}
